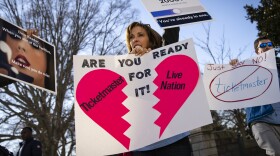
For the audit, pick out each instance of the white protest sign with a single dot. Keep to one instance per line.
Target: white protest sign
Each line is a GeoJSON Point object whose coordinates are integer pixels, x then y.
{"type": "Point", "coordinates": [126, 102]}
{"type": "Point", "coordinates": [252, 82]}
{"type": "Point", "coordinates": [171, 13]}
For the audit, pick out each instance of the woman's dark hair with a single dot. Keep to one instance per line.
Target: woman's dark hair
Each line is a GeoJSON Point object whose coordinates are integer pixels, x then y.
{"type": "Point", "coordinates": [2, 33]}
{"type": "Point", "coordinates": [154, 38]}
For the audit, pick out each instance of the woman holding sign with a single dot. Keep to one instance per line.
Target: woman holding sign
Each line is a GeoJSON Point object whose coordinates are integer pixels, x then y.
{"type": "Point", "coordinates": [140, 39]}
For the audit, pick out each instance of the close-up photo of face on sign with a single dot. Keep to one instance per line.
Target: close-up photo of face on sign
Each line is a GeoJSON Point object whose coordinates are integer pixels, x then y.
{"type": "Point", "coordinates": [26, 57]}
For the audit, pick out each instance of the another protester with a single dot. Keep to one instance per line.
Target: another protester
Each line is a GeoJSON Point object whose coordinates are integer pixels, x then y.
{"type": "Point", "coordinates": [264, 121]}
{"type": "Point", "coordinates": [29, 146]}
{"type": "Point", "coordinates": [140, 39]}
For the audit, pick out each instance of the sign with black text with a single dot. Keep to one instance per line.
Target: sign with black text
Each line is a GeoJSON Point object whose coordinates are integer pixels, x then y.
{"type": "Point", "coordinates": [126, 102]}
{"type": "Point", "coordinates": [172, 13]}
{"type": "Point", "coordinates": [251, 82]}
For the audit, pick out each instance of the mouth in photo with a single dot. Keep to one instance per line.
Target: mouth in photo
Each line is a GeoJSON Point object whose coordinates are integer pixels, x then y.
{"type": "Point", "coordinates": [22, 61]}
{"type": "Point", "coordinates": [137, 45]}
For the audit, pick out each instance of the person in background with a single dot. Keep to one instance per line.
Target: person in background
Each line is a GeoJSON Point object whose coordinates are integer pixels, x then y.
{"type": "Point", "coordinates": [141, 39]}
{"type": "Point", "coordinates": [5, 152]}
{"type": "Point", "coordinates": [29, 146]}
{"type": "Point", "coordinates": [264, 121]}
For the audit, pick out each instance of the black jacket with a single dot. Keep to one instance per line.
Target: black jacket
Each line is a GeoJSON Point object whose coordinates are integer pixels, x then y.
{"type": "Point", "coordinates": [5, 152]}
{"type": "Point", "coordinates": [171, 35]}
{"type": "Point", "coordinates": [31, 148]}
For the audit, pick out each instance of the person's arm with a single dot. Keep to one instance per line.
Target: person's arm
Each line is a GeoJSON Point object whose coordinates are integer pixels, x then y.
{"type": "Point", "coordinates": [171, 35]}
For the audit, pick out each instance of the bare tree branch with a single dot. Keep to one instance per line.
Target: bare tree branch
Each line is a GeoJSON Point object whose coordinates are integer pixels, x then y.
{"type": "Point", "coordinates": [73, 27]}
{"type": "Point", "coordinates": [230, 119]}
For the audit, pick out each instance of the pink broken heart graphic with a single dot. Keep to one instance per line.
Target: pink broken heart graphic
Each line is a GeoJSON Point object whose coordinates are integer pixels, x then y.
{"type": "Point", "coordinates": [99, 94]}
{"type": "Point", "coordinates": [177, 78]}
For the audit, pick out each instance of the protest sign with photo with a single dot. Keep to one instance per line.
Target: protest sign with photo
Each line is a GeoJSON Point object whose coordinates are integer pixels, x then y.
{"type": "Point", "coordinates": [127, 102]}
{"type": "Point", "coordinates": [172, 13]}
{"type": "Point", "coordinates": [25, 58]}
{"type": "Point", "coordinates": [252, 82]}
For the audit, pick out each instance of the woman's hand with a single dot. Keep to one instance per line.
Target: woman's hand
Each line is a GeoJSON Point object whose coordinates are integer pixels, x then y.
{"type": "Point", "coordinates": [233, 62]}
{"type": "Point", "coordinates": [30, 32]}
{"type": "Point", "coordinates": [139, 51]}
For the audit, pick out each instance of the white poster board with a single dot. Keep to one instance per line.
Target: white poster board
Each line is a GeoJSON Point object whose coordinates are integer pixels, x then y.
{"type": "Point", "coordinates": [172, 13]}
{"type": "Point", "coordinates": [252, 82]}
{"type": "Point", "coordinates": [126, 102]}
